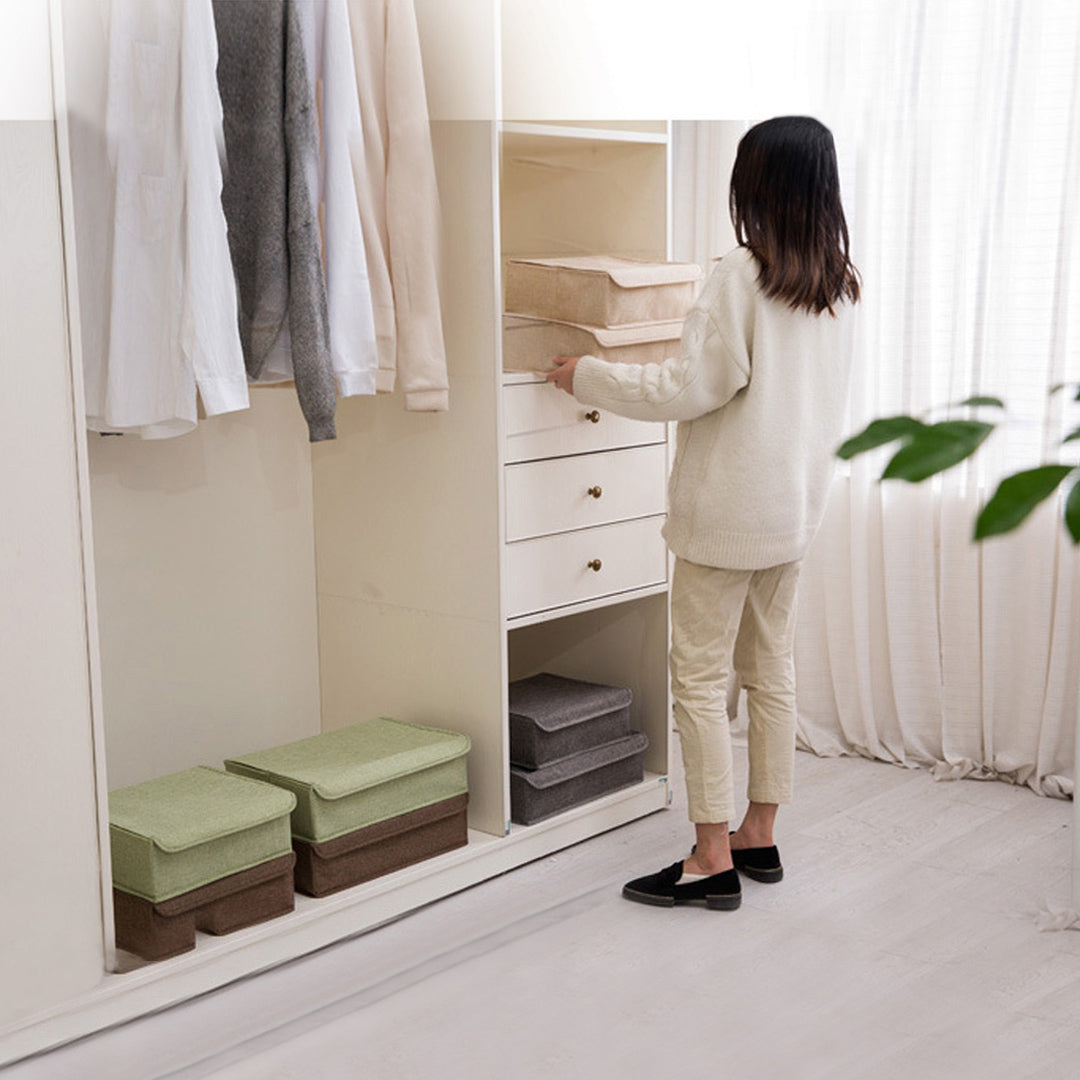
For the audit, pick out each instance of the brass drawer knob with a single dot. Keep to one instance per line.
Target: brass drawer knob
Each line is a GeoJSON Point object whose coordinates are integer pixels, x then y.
{"type": "Point", "coordinates": [596, 491]}
{"type": "Point", "coordinates": [593, 416]}
{"type": "Point", "coordinates": [595, 564]}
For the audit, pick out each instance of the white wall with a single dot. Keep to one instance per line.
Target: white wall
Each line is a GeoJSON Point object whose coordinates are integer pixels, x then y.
{"type": "Point", "coordinates": [205, 558]}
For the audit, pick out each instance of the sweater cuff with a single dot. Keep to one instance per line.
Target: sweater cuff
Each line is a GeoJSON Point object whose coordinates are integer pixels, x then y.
{"type": "Point", "coordinates": [591, 380]}
{"type": "Point", "coordinates": [427, 401]}
{"type": "Point", "coordinates": [322, 430]}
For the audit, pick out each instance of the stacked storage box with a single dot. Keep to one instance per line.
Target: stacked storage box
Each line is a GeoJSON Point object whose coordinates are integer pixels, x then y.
{"type": "Point", "coordinates": [197, 849]}
{"type": "Point", "coordinates": [370, 798]}
{"type": "Point", "coordinates": [570, 743]}
{"type": "Point", "coordinates": [618, 309]}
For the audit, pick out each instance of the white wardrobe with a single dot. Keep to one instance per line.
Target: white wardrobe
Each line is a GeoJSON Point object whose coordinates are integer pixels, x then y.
{"type": "Point", "coordinates": [172, 603]}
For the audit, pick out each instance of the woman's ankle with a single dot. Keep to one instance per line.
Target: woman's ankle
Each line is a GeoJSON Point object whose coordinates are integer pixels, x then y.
{"type": "Point", "coordinates": [756, 829]}
{"type": "Point", "coordinates": [750, 839]}
{"type": "Point", "coordinates": [695, 864]}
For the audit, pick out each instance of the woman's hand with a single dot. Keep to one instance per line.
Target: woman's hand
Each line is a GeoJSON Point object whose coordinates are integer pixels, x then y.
{"type": "Point", "coordinates": [563, 375]}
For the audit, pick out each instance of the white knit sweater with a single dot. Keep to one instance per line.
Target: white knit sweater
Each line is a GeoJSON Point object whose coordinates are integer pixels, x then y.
{"type": "Point", "coordinates": [760, 391]}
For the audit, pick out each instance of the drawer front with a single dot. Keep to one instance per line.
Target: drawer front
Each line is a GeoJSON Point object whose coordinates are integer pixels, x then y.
{"type": "Point", "coordinates": [554, 571]}
{"type": "Point", "coordinates": [567, 493]}
{"type": "Point", "coordinates": [543, 422]}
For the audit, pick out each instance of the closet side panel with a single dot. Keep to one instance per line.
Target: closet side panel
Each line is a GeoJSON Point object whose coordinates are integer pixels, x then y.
{"type": "Point", "coordinates": [407, 515]}
{"type": "Point", "coordinates": [50, 904]}
{"type": "Point", "coordinates": [407, 505]}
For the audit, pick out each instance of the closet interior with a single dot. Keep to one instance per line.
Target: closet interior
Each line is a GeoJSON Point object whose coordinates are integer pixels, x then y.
{"type": "Point", "coordinates": [253, 588]}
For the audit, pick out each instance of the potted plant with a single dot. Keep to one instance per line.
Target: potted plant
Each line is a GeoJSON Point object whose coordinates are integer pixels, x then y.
{"type": "Point", "coordinates": [927, 449]}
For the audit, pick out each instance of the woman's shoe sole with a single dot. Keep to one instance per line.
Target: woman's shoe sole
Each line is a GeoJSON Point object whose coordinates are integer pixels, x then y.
{"type": "Point", "coordinates": [769, 876]}
{"type": "Point", "coordinates": [713, 903]}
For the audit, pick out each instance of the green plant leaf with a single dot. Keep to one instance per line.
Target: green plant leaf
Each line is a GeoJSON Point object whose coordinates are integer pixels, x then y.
{"type": "Point", "coordinates": [1016, 497]}
{"type": "Point", "coordinates": [983, 400]}
{"type": "Point", "coordinates": [1072, 513]}
{"type": "Point", "coordinates": [878, 433]}
{"type": "Point", "coordinates": [935, 448]}
{"type": "Point", "coordinates": [1056, 389]}
{"type": "Point", "coordinates": [1074, 434]}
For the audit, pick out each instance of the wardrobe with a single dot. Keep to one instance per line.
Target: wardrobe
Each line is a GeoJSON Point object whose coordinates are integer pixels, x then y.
{"type": "Point", "coordinates": [172, 603]}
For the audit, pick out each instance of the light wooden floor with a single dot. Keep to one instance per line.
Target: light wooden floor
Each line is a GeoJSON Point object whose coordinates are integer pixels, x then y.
{"type": "Point", "coordinates": [903, 943]}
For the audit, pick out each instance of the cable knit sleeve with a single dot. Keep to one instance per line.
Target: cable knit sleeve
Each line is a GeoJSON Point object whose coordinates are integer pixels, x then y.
{"type": "Point", "coordinates": [713, 367]}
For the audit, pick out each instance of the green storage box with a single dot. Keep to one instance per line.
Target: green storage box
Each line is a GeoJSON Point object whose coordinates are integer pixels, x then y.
{"type": "Point", "coordinates": [182, 831]}
{"type": "Point", "coordinates": [357, 776]}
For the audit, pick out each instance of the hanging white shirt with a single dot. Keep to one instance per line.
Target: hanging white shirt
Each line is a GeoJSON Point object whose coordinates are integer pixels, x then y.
{"type": "Point", "coordinates": [157, 294]}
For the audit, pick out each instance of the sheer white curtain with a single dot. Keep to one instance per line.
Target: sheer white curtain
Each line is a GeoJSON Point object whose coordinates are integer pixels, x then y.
{"type": "Point", "coordinates": [958, 129]}
{"type": "Point", "coordinates": [962, 186]}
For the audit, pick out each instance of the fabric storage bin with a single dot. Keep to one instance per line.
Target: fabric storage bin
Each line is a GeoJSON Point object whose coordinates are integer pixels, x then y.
{"type": "Point", "coordinates": [541, 793]}
{"type": "Point", "coordinates": [552, 717]}
{"type": "Point", "coordinates": [369, 774]}
{"type": "Point", "coordinates": [530, 344]}
{"type": "Point", "coordinates": [198, 849]}
{"type": "Point", "coordinates": [600, 290]}
{"type": "Point", "coordinates": [392, 844]}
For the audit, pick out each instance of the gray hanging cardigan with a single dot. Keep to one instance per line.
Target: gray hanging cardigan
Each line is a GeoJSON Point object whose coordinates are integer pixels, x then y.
{"type": "Point", "coordinates": [270, 195]}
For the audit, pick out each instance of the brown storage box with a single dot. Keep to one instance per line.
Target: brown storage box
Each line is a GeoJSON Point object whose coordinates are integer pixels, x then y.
{"type": "Point", "coordinates": [531, 344]}
{"type": "Point", "coordinates": [370, 852]}
{"type": "Point", "coordinates": [600, 290]}
{"type": "Point", "coordinates": [156, 931]}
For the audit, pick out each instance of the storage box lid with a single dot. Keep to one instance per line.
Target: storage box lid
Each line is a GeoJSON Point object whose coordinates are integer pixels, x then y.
{"type": "Point", "coordinates": [184, 809]}
{"type": "Point", "coordinates": [610, 337]}
{"type": "Point", "coordinates": [552, 702]}
{"type": "Point", "coordinates": [626, 273]}
{"type": "Point", "coordinates": [567, 768]}
{"type": "Point", "coordinates": [343, 762]}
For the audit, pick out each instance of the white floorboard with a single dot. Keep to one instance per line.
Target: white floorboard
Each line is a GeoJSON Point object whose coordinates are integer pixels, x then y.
{"type": "Point", "coordinates": [902, 943]}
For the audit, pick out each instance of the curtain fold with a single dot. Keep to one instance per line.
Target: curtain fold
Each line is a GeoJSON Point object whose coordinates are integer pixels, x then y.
{"type": "Point", "coordinates": [962, 191]}
{"type": "Point", "coordinates": [958, 132]}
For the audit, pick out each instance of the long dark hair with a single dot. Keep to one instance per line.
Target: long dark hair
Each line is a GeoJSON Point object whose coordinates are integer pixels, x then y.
{"type": "Point", "coordinates": [785, 206]}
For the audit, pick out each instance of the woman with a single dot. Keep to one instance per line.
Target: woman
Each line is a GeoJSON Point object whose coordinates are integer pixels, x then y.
{"type": "Point", "coordinates": [760, 393]}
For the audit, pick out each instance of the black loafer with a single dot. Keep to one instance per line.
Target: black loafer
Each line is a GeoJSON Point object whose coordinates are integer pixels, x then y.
{"type": "Point", "coordinates": [759, 863]}
{"type": "Point", "coordinates": [720, 892]}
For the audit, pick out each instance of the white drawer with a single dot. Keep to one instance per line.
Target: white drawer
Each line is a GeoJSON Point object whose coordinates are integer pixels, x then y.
{"type": "Point", "coordinates": [554, 571]}
{"type": "Point", "coordinates": [542, 422]}
{"type": "Point", "coordinates": [567, 493]}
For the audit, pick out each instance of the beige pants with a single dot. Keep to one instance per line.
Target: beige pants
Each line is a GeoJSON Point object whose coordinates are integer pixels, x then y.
{"type": "Point", "coordinates": [743, 619]}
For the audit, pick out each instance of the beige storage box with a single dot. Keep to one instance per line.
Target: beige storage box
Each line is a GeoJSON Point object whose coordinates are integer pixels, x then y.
{"type": "Point", "coordinates": [531, 344]}
{"type": "Point", "coordinates": [600, 290]}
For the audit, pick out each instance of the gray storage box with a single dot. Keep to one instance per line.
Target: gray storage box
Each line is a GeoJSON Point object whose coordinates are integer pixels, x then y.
{"type": "Point", "coordinates": [542, 793]}
{"type": "Point", "coordinates": [552, 717]}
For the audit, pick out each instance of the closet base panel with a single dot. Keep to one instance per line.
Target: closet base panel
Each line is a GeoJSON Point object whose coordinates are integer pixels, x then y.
{"type": "Point", "coordinates": [316, 923]}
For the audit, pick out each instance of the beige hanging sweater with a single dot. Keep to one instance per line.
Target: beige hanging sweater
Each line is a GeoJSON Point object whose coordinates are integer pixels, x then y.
{"type": "Point", "coordinates": [760, 393]}
{"type": "Point", "coordinates": [399, 202]}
